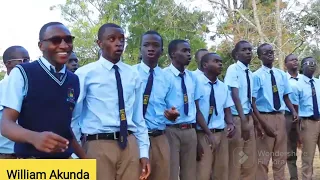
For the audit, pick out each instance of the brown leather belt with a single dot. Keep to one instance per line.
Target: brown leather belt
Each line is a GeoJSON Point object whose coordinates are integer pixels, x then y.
{"type": "Point", "coordinates": [182, 126]}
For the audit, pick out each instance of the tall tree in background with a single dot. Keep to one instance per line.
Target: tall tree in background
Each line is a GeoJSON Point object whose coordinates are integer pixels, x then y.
{"type": "Point", "coordinates": [171, 20]}
{"type": "Point", "coordinates": [85, 17]}
{"type": "Point", "coordinates": [269, 21]}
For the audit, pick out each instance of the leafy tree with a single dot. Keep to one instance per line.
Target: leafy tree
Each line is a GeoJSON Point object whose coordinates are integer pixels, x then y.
{"type": "Point", "coordinates": [171, 20]}
{"type": "Point", "coordinates": [271, 21]}
{"type": "Point", "coordinates": [2, 74]}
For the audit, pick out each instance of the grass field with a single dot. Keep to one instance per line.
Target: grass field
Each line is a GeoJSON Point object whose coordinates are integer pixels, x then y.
{"type": "Point", "coordinates": [316, 167]}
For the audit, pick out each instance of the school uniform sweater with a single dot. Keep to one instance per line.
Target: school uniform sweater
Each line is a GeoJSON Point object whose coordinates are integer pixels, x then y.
{"type": "Point", "coordinates": [47, 106]}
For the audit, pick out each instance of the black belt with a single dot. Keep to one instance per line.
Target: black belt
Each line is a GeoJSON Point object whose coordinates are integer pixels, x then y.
{"type": "Point", "coordinates": [272, 112]}
{"type": "Point", "coordinates": [156, 133]}
{"type": "Point", "coordinates": [310, 118]}
{"type": "Point", "coordinates": [33, 157]}
{"type": "Point", "coordinates": [287, 113]}
{"type": "Point", "coordinates": [212, 130]}
{"type": "Point", "coordinates": [8, 155]}
{"type": "Point", "coordinates": [105, 136]}
{"type": "Point", "coordinates": [182, 126]}
{"type": "Point", "coordinates": [249, 114]}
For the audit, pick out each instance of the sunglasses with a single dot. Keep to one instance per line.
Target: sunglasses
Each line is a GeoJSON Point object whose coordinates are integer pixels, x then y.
{"type": "Point", "coordinates": [310, 63]}
{"type": "Point", "coordinates": [57, 40]}
{"type": "Point", "coordinates": [22, 60]}
{"type": "Point", "coordinates": [268, 52]}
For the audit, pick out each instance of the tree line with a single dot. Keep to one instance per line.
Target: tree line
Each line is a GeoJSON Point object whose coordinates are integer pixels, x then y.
{"type": "Point", "coordinates": [291, 27]}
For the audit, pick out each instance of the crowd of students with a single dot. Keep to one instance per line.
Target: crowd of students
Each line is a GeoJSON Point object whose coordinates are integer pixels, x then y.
{"type": "Point", "coordinates": [144, 122]}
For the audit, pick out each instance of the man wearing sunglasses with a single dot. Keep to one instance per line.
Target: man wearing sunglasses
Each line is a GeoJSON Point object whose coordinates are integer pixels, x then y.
{"type": "Point", "coordinates": [309, 126]}
{"type": "Point", "coordinates": [43, 94]}
{"type": "Point", "coordinates": [12, 56]}
{"type": "Point", "coordinates": [270, 97]}
{"type": "Point", "coordinates": [72, 63]}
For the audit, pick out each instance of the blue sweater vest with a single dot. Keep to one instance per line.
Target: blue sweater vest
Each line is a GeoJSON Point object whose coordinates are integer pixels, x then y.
{"type": "Point", "coordinates": [48, 106]}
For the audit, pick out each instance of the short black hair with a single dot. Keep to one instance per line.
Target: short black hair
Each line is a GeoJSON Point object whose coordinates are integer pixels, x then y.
{"type": "Point", "coordinates": [305, 59]}
{"type": "Point", "coordinates": [237, 46]}
{"type": "Point", "coordinates": [152, 32]}
{"type": "Point", "coordinates": [260, 47]}
{"type": "Point", "coordinates": [197, 53]}
{"type": "Point", "coordinates": [45, 27]}
{"type": "Point", "coordinates": [286, 58]}
{"type": "Point", "coordinates": [206, 58]}
{"type": "Point", "coordinates": [8, 53]}
{"type": "Point", "coordinates": [173, 45]}
{"type": "Point", "coordinates": [103, 28]}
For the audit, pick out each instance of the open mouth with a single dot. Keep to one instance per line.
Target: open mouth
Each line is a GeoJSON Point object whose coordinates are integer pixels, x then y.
{"type": "Point", "coordinates": [118, 52]}
{"type": "Point", "coordinates": [151, 55]}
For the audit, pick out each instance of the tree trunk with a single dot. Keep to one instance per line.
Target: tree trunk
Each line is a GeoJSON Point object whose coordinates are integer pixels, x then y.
{"type": "Point", "coordinates": [279, 36]}
{"type": "Point", "coordinates": [257, 21]}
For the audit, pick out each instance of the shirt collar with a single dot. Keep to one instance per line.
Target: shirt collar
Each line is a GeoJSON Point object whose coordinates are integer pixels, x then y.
{"type": "Point", "coordinates": [174, 70]}
{"type": "Point", "coordinates": [146, 68]}
{"type": "Point", "coordinates": [242, 66]}
{"type": "Point", "coordinates": [265, 68]}
{"type": "Point", "coordinates": [207, 81]}
{"type": "Point", "coordinates": [109, 65]}
{"type": "Point", "coordinates": [289, 75]}
{"type": "Point", "coordinates": [307, 79]}
{"type": "Point", "coordinates": [50, 66]}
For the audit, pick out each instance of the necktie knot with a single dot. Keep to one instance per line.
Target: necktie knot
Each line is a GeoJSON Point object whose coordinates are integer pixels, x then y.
{"type": "Point", "coordinates": [115, 67]}
{"type": "Point", "coordinates": [212, 83]}
{"type": "Point", "coordinates": [271, 72]}
{"type": "Point", "coordinates": [151, 70]}
{"type": "Point", "coordinates": [311, 80]}
{"type": "Point", "coordinates": [247, 70]}
{"type": "Point", "coordinates": [57, 75]}
{"type": "Point", "coordinates": [181, 75]}
{"type": "Point", "coordinates": [295, 78]}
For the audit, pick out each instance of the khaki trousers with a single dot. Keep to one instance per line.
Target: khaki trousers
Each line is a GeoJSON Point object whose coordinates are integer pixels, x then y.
{"type": "Point", "coordinates": [7, 156]}
{"type": "Point", "coordinates": [183, 152]}
{"type": "Point", "coordinates": [215, 158]}
{"type": "Point", "coordinates": [275, 148]}
{"type": "Point", "coordinates": [113, 163]}
{"type": "Point", "coordinates": [159, 158]}
{"type": "Point", "coordinates": [242, 154]}
{"type": "Point", "coordinates": [292, 147]}
{"type": "Point", "coordinates": [310, 131]}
